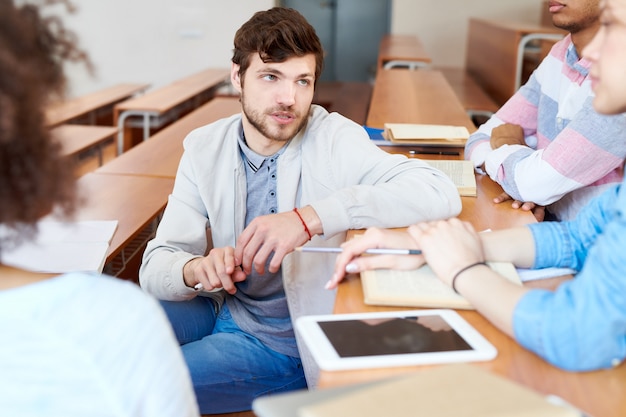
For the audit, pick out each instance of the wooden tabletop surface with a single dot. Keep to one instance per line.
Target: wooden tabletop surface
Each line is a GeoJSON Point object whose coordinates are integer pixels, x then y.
{"type": "Point", "coordinates": [406, 48]}
{"type": "Point", "coordinates": [67, 110]}
{"type": "Point", "coordinates": [167, 97]}
{"type": "Point", "coordinates": [77, 138]}
{"type": "Point", "coordinates": [159, 156]}
{"type": "Point", "coordinates": [132, 200]}
{"type": "Point", "coordinates": [405, 96]}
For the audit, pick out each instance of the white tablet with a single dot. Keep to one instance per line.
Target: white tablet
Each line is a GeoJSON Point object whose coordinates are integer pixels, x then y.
{"type": "Point", "coordinates": [394, 338]}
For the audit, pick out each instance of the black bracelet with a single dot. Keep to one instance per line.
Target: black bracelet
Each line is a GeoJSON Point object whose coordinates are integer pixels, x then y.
{"type": "Point", "coordinates": [463, 270]}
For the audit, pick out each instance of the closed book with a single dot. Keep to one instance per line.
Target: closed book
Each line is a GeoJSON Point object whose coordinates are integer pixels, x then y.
{"type": "Point", "coordinates": [450, 390]}
{"type": "Point", "coordinates": [425, 134]}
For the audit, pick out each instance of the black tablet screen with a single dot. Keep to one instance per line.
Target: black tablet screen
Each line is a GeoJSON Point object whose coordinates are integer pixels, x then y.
{"type": "Point", "coordinates": [389, 336]}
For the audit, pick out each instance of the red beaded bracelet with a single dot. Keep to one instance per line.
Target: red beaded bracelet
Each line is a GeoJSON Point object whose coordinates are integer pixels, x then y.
{"type": "Point", "coordinates": [306, 229]}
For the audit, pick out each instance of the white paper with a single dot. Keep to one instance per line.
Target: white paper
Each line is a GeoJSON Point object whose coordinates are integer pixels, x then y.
{"type": "Point", "coordinates": [61, 247]}
{"type": "Point", "coordinates": [543, 273]}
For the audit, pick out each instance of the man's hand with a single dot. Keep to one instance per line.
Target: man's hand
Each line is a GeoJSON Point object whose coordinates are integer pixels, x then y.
{"type": "Point", "coordinates": [537, 210]}
{"type": "Point", "coordinates": [219, 269]}
{"type": "Point", "coordinates": [274, 233]}
{"type": "Point", "coordinates": [507, 134]}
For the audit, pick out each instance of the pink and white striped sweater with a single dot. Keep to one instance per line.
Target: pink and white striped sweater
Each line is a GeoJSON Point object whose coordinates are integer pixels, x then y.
{"type": "Point", "coordinates": [572, 152]}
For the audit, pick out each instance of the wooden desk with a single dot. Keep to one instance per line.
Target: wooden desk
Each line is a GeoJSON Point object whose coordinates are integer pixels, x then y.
{"type": "Point", "coordinates": [402, 96]}
{"type": "Point", "coordinates": [495, 53]}
{"type": "Point", "coordinates": [401, 51]}
{"type": "Point", "coordinates": [159, 156]}
{"type": "Point", "coordinates": [76, 139]}
{"type": "Point", "coordinates": [135, 201]}
{"type": "Point", "coordinates": [89, 104]}
{"type": "Point", "coordinates": [600, 393]}
{"type": "Point", "coordinates": [473, 98]}
{"type": "Point", "coordinates": [169, 101]}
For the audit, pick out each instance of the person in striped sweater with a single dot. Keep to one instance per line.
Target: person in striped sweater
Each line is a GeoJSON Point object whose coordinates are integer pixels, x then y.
{"type": "Point", "coordinates": [546, 146]}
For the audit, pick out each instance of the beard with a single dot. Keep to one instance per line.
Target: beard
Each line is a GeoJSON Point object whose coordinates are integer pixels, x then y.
{"type": "Point", "coordinates": [280, 133]}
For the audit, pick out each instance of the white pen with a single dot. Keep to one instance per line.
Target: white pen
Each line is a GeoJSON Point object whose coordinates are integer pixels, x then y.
{"type": "Point", "coordinates": [373, 251]}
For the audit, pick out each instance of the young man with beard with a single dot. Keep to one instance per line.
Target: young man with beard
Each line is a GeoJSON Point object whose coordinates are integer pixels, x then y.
{"type": "Point", "coordinates": [547, 147]}
{"type": "Point", "coordinates": [260, 184]}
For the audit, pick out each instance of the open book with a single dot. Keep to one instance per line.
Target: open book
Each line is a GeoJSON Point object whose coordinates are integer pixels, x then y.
{"type": "Point", "coordinates": [451, 390]}
{"type": "Point", "coordinates": [419, 287]}
{"type": "Point", "coordinates": [423, 134]}
{"type": "Point", "coordinates": [461, 173]}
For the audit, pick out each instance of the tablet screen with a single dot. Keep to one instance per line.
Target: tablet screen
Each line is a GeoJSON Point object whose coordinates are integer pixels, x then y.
{"type": "Point", "coordinates": [392, 336]}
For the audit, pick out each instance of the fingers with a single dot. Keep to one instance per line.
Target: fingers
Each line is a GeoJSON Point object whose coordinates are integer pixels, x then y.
{"type": "Point", "coordinates": [219, 269]}
{"type": "Point", "coordinates": [351, 261]}
{"type": "Point", "coordinates": [502, 197]}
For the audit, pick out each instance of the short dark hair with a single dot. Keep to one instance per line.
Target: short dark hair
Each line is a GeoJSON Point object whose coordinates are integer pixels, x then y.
{"type": "Point", "coordinates": [34, 176]}
{"type": "Point", "coordinates": [276, 35]}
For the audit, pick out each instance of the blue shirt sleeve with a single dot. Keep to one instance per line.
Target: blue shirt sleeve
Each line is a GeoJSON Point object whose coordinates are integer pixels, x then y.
{"type": "Point", "coordinates": [582, 325]}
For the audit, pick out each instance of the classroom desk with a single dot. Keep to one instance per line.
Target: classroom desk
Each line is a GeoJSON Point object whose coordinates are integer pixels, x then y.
{"type": "Point", "coordinates": [89, 104]}
{"type": "Point", "coordinates": [136, 202]}
{"type": "Point", "coordinates": [599, 393]}
{"type": "Point", "coordinates": [154, 106]}
{"type": "Point", "coordinates": [495, 53]}
{"type": "Point", "coordinates": [474, 99]}
{"type": "Point", "coordinates": [75, 139]}
{"type": "Point", "coordinates": [405, 51]}
{"type": "Point", "coordinates": [159, 156]}
{"type": "Point", "coordinates": [402, 96]}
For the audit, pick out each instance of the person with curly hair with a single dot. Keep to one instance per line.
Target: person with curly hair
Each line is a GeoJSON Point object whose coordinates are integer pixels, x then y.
{"type": "Point", "coordinates": [75, 344]}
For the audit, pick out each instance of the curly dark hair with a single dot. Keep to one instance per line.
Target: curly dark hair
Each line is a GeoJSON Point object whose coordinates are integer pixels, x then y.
{"type": "Point", "coordinates": [34, 176]}
{"type": "Point", "coordinates": [276, 35]}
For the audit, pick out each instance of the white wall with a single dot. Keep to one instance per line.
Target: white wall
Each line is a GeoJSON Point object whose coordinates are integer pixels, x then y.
{"type": "Point", "coordinates": [154, 41]}
{"type": "Point", "coordinates": [441, 25]}
{"type": "Point", "coordinates": [158, 41]}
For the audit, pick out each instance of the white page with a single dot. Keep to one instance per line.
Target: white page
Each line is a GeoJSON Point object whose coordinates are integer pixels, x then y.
{"type": "Point", "coordinates": [61, 247]}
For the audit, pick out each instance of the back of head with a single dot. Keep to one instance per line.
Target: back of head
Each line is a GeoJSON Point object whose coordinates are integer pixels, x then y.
{"type": "Point", "coordinates": [276, 35]}
{"type": "Point", "coordinates": [34, 177]}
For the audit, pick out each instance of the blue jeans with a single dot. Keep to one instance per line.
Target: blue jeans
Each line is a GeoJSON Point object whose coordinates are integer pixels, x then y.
{"type": "Point", "coordinates": [229, 368]}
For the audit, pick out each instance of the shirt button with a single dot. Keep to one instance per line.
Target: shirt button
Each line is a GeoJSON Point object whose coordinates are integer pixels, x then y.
{"type": "Point", "coordinates": [272, 193]}
{"type": "Point", "coordinates": [615, 362]}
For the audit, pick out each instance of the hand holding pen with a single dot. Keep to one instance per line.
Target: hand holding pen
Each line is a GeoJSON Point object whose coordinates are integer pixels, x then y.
{"type": "Point", "coordinates": [381, 247]}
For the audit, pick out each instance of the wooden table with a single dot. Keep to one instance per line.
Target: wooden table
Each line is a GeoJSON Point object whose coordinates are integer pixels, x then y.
{"type": "Point", "coordinates": [402, 96]}
{"type": "Point", "coordinates": [76, 139]}
{"type": "Point", "coordinates": [159, 156]}
{"type": "Point", "coordinates": [600, 393]}
{"type": "Point", "coordinates": [473, 98]}
{"type": "Point", "coordinates": [88, 104]}
{"type": "Point", "coordinates": [405, 51]}
{"type": "Point", "coordinates": [154, 106]}
{"type": "Point", "coordinates": [135, 201]}
{"type": "Point", "coordinates": [495, 53]}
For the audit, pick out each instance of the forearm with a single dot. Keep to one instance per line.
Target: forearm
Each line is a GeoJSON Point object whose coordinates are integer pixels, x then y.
{"type": "Point", "coordinates": [492, 295]}
{"type": "Point", "coordinates": [514, 245]}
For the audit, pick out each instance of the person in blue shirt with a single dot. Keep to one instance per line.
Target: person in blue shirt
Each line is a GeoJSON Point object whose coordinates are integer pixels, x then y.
{"type": "Point", "coordinates": [579, 326]}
